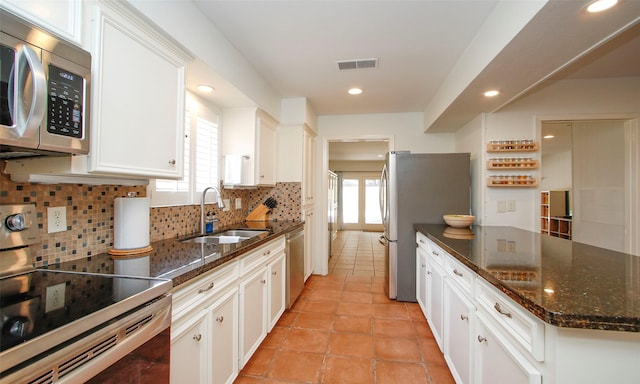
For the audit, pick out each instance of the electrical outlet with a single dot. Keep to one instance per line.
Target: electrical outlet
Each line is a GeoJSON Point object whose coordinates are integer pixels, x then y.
{"type": "Point", "coordinates": [502, 206]}
{"type": "Point", "coordinates": [238, 203]}
{"type": "Point", "coordinates": [511, 205]}
{"type": "Point", "coordinates": [55, 297]}
{"type": "Point", "coordinates": [56, 219]}
{"type": "Point", "coordinates": [227, 204]}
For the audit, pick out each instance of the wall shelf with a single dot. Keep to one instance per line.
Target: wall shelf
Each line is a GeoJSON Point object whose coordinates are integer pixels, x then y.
{"type": "Point", "coordinates": [512, 146]}
{"type": "Point", "coordinates": [512, 181]}
{"type": "Point", "coordinates": [500, 163]}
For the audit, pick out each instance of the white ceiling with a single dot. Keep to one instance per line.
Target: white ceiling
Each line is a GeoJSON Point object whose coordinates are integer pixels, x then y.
{"type": "Point", "coordinates": [294, 46]}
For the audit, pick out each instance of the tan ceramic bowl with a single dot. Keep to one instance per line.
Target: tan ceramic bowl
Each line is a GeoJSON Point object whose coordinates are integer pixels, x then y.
{"type": "Point", "coordinates": [459, 221]}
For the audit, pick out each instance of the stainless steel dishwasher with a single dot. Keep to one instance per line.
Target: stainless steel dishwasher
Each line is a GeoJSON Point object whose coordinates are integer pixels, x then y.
{"type": "Point", "coordinates": [295, 265]}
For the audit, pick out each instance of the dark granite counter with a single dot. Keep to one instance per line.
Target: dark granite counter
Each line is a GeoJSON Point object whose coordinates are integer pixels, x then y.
{"type": "Point", "coordinates": [564, 283]}
{"type": "Point", "coordinates": [176, 260]}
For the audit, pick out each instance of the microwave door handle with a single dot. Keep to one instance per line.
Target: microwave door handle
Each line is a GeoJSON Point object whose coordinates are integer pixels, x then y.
{"type": "Point", "coordinates": [28, 122]}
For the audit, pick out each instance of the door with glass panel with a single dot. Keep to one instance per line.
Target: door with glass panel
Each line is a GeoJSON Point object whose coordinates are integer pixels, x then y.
{"type": "Point", "coordinates": [360, 204]}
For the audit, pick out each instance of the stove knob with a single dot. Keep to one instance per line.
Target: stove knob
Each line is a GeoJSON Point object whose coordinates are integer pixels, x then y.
{"type": "Point", "coordinates": [15, 222]}
{"type": "Point", "coordinates": [17, 327]}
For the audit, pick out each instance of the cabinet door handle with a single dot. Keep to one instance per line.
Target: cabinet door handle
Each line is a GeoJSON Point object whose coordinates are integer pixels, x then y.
{"type": "Point", "coordinates": [203, 290]}
{"type": "Point", "coordinates": [456, 272]}
{"type": "Point", "coordinates": [274, 273]}
{"type": "Point", "coordinates": [172, 162]}
{"type": "Point", "coordinates": [428, 272]}
{"type": "Point", "coordinates": [481, 339]}
{"type": "Point", "coordinates": [421, 241]}
{"type": "Point", "coordinates": [423, 265]}
{"type": "Point", "coordinates": [463, 317]}
{"type": "Point", "coordinates": [500, 311]}
{"type": "Point", "coordinates": [263, 281]}
{"type": "Point", "coordinates": [220, 319]}
{"type": "Point", "coordinates": [197, 337]}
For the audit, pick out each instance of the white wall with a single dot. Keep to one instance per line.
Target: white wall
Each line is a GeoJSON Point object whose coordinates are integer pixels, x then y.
{"type": "Point", "coordinates": [404, 129]}
{"type": "Point", "coordinates": [575, 99]}
{"type": "Point", "coordinates": [469, 139]}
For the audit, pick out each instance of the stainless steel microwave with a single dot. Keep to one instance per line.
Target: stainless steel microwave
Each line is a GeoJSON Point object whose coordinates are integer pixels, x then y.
{"type": "Point", "coordinates": [44, 92]}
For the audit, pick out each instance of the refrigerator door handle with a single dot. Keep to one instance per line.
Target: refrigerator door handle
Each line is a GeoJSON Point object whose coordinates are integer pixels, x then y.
{"type": "Point", "coordinates": [382, 196]}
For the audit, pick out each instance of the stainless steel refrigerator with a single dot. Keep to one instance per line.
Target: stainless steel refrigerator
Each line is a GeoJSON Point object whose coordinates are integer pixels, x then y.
{"type": "Point", "coordinates": [418, 188]}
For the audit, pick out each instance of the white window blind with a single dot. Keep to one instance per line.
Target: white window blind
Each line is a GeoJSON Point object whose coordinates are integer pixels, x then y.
{"type": "Point", "coordinates": [206, 154]}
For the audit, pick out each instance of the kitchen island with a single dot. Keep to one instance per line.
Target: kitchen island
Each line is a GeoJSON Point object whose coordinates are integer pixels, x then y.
{"type": "Point", "coordinates": [557, 311]}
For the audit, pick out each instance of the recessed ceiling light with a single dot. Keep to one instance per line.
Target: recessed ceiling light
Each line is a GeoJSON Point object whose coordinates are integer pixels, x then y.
{"type": "Point", "coordinates": [492, 93]}
{"type": "Point", "coordinates": [205, 88]}
{"type": "Point", "coordinates": [355, 91]}
{"type": "Point", "coordinates": [548, 137]}
{"type": "Point", "coordinates": [601, 5]}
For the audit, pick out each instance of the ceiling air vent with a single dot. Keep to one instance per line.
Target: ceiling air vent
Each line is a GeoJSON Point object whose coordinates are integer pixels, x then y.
{"type": "Point", "coordinates": [357, 64]}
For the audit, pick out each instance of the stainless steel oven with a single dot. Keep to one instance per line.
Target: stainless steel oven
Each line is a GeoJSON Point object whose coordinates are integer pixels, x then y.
{"type": "Point", "coordinates": [74, 327]}
{"type": "Point", "coordinates": [44, 92]}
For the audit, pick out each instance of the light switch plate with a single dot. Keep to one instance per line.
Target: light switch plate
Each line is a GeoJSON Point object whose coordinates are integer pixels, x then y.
{"type": "Point", "coordinates": [227, 204]}
{"type": "Point", "coordinates": [238, 203]}
{"type": "Point", "coordinates": [56, 219]}
{"type": "Point", "coordinates": [511, 205]}
{"type": "Point", "coordinates": [502, 206]}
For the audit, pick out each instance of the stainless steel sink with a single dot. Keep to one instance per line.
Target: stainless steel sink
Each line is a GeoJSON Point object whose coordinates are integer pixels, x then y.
{"type": "Point", "coordinates": [231, 236]}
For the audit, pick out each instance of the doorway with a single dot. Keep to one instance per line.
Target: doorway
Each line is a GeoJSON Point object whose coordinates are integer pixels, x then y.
{"type": "Point", "coordinates": [360, 201]}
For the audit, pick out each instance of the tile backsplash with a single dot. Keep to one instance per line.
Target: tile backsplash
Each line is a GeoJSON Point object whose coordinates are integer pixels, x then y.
{"type": "Point", "coordinates": [90, 214]}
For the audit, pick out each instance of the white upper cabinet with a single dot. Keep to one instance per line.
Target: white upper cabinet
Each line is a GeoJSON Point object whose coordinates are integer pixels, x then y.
{"type": "Point", "coordinates": [296, 158]}
{"type": "Point", "coordinates": [249, 147]}
{"type": "Point", "coordinates": [62, 17]}
{"type": "Point", "coordinates": [138, 91]}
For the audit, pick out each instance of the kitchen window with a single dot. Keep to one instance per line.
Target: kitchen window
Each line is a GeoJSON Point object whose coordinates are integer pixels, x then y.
{"type": "Point", "coordinates": [201, 165]}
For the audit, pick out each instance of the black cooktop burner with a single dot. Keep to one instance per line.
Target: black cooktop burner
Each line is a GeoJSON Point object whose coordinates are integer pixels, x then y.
{"type": "Point", "coordinates": [40, 301]}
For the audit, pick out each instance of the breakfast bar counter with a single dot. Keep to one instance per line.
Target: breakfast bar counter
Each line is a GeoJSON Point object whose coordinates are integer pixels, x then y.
{"type": "Point", "coordinates": [564, 283]}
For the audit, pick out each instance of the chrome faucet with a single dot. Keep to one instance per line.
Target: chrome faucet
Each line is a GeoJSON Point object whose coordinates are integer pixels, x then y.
{"type": "Point", "coordinates": [220, 205]}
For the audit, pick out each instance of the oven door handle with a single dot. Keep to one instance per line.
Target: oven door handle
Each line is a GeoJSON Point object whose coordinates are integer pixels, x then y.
{"type": "Point", "coordinates": [28, 122]}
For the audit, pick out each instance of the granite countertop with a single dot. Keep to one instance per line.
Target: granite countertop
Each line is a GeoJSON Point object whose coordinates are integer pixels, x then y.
{"type": "Point", "coordinates": [564, 283]}
{"type": "Point", "coordinates": [176, 260]}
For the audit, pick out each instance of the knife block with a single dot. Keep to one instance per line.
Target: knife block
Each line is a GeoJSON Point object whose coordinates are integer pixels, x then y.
{"type": "Point", "coordinates": [258, 214]}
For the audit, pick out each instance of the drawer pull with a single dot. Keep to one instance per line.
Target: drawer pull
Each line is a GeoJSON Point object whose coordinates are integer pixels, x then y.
{"type": "Point", "coordinates": [481, 339]}
{"type": "Point", "coordinates": [428, 272]}
{"type": "Point", "coordinates": [220, 319]}
{"type": "Point", "coordinates": [266, 253]}
{"type": "Point", "coordinates": [435, 253]}
{"type": "Point", "coordinates": [203, 290]}
{"type": "Point", "coordinates": [456, 272]}
{"type": "Point", "coordinates": [500, 311]}
{"type": "Point", "coordinates": [424, 265]}
{"type": "Point", "coordinates": [421, 241]}
{"type": "Point", "coordinates": [197, 337]}
{"type": "Point", "coordinates": [274, 273]}
{"type": "Point", "coordinates": [463, 317]}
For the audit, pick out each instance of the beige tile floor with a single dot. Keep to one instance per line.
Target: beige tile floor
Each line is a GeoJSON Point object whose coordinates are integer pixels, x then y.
{"type": "Point", "coordinates": [343, 329]}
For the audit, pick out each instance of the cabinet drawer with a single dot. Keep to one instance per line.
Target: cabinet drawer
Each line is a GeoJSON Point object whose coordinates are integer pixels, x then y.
{"type": "Point", "coordinates": [525, 329]}
{"type": "Point", "coordinates": [422, 241]}
{"type": "Point", "coordinates": [436, 254]}
{"type": "Point", "coordinates": [196, 292]}
{"type": "Point", "coordinates": [261, 256]}
{"type": "Point", "coordinates": [460, 274]}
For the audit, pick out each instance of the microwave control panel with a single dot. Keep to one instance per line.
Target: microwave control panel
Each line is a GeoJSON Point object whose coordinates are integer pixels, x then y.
{"type": "Point", "coordinates": [66, 97]}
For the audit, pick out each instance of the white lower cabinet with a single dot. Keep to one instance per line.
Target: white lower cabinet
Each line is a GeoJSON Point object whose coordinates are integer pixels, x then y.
{"type": "Point", "coordinates": [435, 300]}
{"type": "Point", "coordinates": [223, 324]}
{"type": "Point", "coordinates": [459, 317]}
{"type": "Point", "coordinates": [253, 304]}
{"type": "Point", "coordinates": [277, 287]}
{"type": "Point", "coordinates": [188, 350]}
{"type": "Point", "coordinates": [476, 327]}
{"type": "Point", "coordinates": [220, 318]}
{"type": "Point", "coordinates": [498, 361]}
{"type": "Point", "coordinates": [421, 278]}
